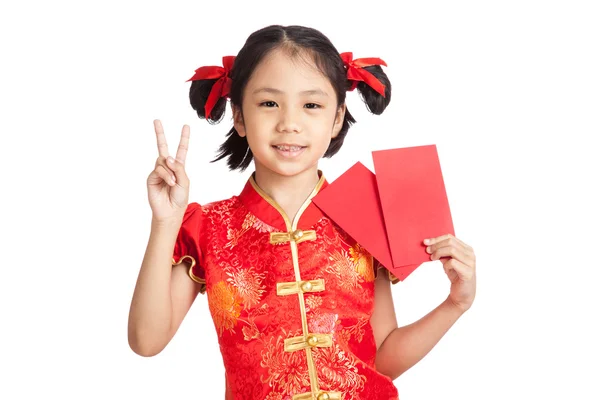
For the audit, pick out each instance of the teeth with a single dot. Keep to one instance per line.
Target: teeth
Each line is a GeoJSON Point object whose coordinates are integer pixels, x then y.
{"type": "Point", "coordinates": [289, 148]}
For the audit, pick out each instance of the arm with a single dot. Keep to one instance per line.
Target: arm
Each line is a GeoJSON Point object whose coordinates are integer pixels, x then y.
{"type": "Point", "coordinates": [163, 294]}
{"type": "Point", "coordinates": [398, 349]}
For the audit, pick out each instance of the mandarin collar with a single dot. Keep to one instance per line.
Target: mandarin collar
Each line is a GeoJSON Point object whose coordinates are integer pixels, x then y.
{"type": "Point", "coordinates": [259, 203]}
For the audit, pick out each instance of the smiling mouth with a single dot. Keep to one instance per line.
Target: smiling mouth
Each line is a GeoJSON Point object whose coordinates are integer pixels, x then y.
{"type": "Point", "coordinates": [289, 151]}
{"type": "Point", "coordinates": [290, 148]}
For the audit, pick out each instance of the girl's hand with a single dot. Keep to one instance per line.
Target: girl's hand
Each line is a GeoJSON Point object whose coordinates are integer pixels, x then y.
{"type": "Point", "coordinates": [458, 260]}
{"type": "Point", "coordinates": [168, 185]}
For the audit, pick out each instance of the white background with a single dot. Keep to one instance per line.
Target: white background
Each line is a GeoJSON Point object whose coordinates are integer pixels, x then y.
{"type": "Point", "coordinates": [509, 92]}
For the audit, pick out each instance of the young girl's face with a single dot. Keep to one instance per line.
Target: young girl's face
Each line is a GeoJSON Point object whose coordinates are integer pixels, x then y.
{"type": "Point", "coordinates": [290, 114]}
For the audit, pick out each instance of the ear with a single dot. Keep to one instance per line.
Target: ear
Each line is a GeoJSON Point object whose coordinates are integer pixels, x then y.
{"type": "Point", "coordinates": [238, 120]}
{"type": "Point", "coordinates": [339, 120]}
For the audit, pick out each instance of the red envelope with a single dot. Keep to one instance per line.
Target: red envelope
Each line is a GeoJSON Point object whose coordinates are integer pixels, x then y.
{"type": "Point", "coordinates": [390, 212]}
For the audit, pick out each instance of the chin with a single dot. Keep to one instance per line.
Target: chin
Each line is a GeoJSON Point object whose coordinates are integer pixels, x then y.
{"type": "Point", "coordinates": [289, 170]}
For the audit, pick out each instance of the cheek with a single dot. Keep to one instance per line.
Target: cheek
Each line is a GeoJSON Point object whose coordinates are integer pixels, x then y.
{"type": "Point", "coordinates": [260, 121]}
{"type": "Point", "coordinates": [253, 139]}
{"type": "Point", "coordinates": [323, 124]}
{"type": "Point", "coordinates": [257, 132]}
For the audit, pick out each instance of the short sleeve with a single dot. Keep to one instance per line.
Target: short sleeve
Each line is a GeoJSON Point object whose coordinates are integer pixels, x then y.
{"type": "Point", "coordinates": [378, 266]}
{"type": "Point", "coordinates": [187, 246]}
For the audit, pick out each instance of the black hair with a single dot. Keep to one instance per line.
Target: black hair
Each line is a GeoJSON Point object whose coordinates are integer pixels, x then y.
{"type": "Point", "coordinates": [294, 39]}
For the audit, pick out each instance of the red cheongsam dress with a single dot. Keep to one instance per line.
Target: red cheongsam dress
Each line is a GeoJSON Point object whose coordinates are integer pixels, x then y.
{"type": "Point", "coordinates": [291, 301]}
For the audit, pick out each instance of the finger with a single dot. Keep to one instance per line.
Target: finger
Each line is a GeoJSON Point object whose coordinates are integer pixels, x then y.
{"type": "Point", "coordinates": [448, 240]}
{"type": "Point", "coordinates": [161, 140]}
{"type": "Point", "coordinates": [463, 270]}
{"type": "Point", "coordinates": [166, 174]}
{"type": "Point", "coordinates": [430, 241]}
{"type": "Point", "coordinates": [468, 250]}
{"type": "Point", "coordinates": [183, 144]}
{"type": "Point", "coordinates": [438, 245]}
{"type": "Point", "coordinates": [453, 252]}
{"type": "Point", "coordinates": [178, 169]}
{"type": "Point", "coordinates": [452, 274]}
{"type": "Point", "coordinates": [164, 161]}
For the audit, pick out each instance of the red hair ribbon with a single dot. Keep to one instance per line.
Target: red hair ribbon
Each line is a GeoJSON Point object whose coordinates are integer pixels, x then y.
{"type": "Point", "coordinates": [356, 72]}
{"type": "Point", "coordinates": [221, 86]}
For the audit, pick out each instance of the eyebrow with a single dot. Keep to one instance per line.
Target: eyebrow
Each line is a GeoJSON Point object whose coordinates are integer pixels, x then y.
{"type": "Point", "coordinates": [277, 91]}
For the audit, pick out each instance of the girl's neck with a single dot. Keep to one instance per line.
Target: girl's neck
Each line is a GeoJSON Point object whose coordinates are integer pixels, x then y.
{"type": "Point", "coordinates": [289, 192]}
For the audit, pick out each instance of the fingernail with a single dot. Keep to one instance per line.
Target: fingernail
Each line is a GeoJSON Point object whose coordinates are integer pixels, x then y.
{"type": "Point", "coordinates": [426, 241]}
{"type": "Point", "coordinates": [170, 160]}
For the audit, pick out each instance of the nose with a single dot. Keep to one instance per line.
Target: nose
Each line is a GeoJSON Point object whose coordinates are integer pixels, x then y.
{"type": "Point", "coordinates": [288, 121]}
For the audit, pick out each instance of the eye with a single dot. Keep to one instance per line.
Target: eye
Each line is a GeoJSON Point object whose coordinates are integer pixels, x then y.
{"type": "Point", "coordinates": [268, 104]}
{"type": "Point", "coordinates": [312, 105]}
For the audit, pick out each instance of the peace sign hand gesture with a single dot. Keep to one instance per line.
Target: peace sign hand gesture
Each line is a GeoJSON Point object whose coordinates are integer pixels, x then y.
{"type": "Point", "coordinates": [168, 184]}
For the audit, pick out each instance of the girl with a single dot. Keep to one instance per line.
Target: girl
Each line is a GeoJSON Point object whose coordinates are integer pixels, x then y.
{"type": "Point", "coordinates": [301, 310]}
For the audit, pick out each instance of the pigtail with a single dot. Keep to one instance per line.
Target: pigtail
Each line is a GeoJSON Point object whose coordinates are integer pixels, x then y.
{"type": "Point", "coordinates": [376, 103]}
{"type": "Point", "coordinates": [374, 88]}
{"type": "Point", "coordinates": [210, 89]}
{"type": "Point", "coordinates": [199, 93]}
{"type": "Point", "coordinates": [366, 75]}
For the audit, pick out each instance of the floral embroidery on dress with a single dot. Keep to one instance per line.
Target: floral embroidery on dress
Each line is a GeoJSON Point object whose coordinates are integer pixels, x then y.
{"type": "Point", "coordinates": [248, 284]}
{"type": "Point", "coordinates": [252, 221]}
{"type": "Point", "coordinates": [363, 262]}
{"type": "Point", "coordinates": [337, 370]}
{"type": "Point", "coordinates": [355, 331]}
{"type": "Point", "coordinates": [344, 270]}
{"type": "Point", "coordinates": [233, 235]}
{"type": "Point", "coordinates": [287, 371]}
{"type": "Point", "coordinates": [323, 322]}
{"type": "Point", "coordinates": [313, 302]}
{"type": "Point", "coordinates": [249, 221]}
{"type": "Point", "coordinates": [224, 306]}
{"type": "Point", "coordinates": [251, 331]}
